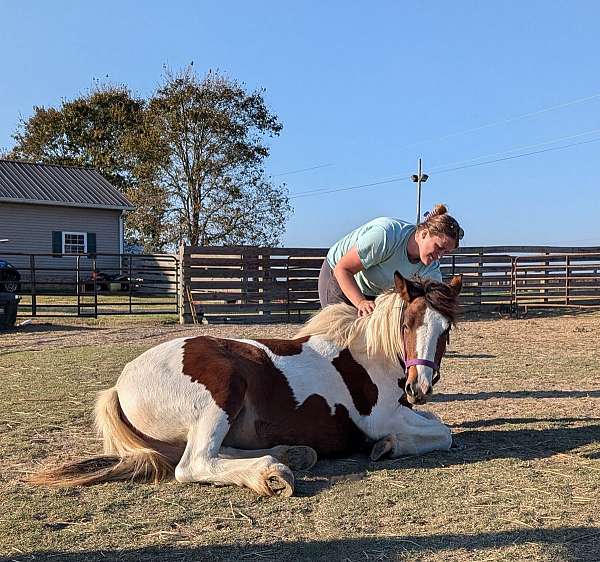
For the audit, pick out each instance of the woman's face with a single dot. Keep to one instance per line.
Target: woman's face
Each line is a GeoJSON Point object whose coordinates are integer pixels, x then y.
{"type": "Point", "coordinates": [433, 247]}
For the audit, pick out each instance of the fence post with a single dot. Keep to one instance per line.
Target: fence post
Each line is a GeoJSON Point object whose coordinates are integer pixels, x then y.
{"type": "Point", "coordinates": [567, 280]}
{"type": "Point", "coordinates": [513, 283]}
{"type": "Point", "coordinates": [184, 280]}
{"type": "Point", "coordinates": [78, 285]}
{"type": "Point", "coordinates": [33, 288]}
{"type": "Point", "coordinates": [95, 276]}
{"type": "Point", "coordinates": [546, 276]}
{"type": "Point", "coordinates": [480, 281]}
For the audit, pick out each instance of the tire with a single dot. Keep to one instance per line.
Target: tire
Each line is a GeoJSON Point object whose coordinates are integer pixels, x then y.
{"type": "Point", "coordinates": [11, 284]}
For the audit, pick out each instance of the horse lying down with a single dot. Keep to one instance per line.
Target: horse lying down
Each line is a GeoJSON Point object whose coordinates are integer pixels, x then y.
{"type": "Point", "coordinates": [248, 412]}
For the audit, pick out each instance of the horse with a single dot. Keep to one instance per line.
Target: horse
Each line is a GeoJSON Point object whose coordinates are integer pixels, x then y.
{"type": "Point", "coordinates": [248, 412]}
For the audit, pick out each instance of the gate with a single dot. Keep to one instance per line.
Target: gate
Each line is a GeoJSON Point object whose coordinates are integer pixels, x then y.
{"type": "Point", "coordinates": [96, 285]}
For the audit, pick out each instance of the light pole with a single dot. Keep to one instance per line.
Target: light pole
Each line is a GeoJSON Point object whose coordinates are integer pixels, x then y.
{"type": "Point", "coordinates": [418, 179]}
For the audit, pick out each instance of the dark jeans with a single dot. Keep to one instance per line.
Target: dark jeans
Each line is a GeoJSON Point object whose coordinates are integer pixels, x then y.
{"type": "Point", "coordinates": [329, 290]}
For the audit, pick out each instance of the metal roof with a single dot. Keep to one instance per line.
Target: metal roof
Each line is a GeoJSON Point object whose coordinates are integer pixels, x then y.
{"type": "Point", "coordinates": [65, 186]}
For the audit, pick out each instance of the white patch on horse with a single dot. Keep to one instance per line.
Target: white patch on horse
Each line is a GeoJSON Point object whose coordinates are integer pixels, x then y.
{"type": "Point", "coordinates": [311, 372]}
{"type": "Point", "coordinates": [434, 325]}
{"type": "Point", "coordinates": [158, 398]}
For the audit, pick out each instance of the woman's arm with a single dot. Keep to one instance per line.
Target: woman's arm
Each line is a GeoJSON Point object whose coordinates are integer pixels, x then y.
{"type": "Point", "coordinates": [344, 271]}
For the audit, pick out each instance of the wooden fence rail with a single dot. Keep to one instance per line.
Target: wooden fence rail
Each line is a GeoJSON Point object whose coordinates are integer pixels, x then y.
{"type": "Point", "coordinates": [250, 284]}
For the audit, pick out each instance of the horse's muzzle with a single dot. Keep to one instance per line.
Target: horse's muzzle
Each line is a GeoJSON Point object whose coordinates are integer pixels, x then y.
{"type": "Point", "coordinates": [415, 394]}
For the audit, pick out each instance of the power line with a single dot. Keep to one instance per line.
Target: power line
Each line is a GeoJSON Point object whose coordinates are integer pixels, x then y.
{"type": "Point", "coordinates": [325, 191]}
{"type": "Point", "coordinates": [503, 121]}
{"type": "Point", "coordinates": [516, 156]}
{"type": "Point", "coordinates": [525, 147]}
{"type": "Point", "coordinates": [301, 170]}
{"type": "Point", "coordinates": [450, 135]}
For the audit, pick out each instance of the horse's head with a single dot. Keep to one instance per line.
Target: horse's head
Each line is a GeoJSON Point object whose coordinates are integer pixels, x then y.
{"type": "Point", "coordinates": [429, 312]}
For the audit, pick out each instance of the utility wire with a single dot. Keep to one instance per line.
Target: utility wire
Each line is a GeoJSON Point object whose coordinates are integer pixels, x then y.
{"type": "Point", "coordinates": [525, 147]}
{"type": "Point", "coordinates": [444, 170]}
{"type": "Point", "coordinates": [516, 156]}
{"type": "Point", "coordinates": [503, 121]}
{"type": "Point", "coordinates": [450, 135]}
{"type": "Point", "coordinates": [323, 191]}
{"type": "Point", "coordinates": [301, 170]}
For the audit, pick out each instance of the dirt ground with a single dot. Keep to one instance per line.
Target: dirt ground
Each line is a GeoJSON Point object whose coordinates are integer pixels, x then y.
{"type": "Point", "coordinates": [522, 398]}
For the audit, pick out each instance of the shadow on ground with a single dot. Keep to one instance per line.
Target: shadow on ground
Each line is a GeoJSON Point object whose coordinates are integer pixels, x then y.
{"type": "Point", "coordinates": [474, 446]}
{"type": "Point", "coordinates": [514, 395]}
{"type": "Point", "coordinates": [569, 544]}
{"type": "Point", "coordinates": [37, 328]}
{"type": "Point", "coordinates": [520, 421]}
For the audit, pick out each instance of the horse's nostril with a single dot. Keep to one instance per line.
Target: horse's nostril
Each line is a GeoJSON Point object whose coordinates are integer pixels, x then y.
{"type": "Point", "coordinates": [409, 390]}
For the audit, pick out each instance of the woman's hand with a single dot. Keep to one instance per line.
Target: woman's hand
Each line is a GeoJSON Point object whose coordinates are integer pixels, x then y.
{"type": "Point", "coordinates": [365, 307]}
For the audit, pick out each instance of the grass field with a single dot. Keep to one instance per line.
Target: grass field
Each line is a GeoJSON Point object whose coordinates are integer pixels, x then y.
{"type": "Point", "coordinates": [522, 398]}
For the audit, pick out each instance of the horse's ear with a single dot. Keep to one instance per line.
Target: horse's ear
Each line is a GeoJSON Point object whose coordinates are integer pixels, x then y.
{"type": "Point", "coordinates": [456, 285]}
{"type": "Point", "coordinates": [407, 289]}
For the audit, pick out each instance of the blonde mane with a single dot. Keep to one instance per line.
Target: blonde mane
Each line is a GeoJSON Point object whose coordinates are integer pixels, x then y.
{"type": "Point", "coordinates": [378, 333]}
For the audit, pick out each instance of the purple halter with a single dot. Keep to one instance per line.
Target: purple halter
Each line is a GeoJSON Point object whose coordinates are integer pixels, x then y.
{"type": "Point", "coordinates": [425, 362]}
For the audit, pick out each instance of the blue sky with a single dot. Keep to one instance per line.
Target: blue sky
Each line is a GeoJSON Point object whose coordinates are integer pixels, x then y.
{"type": "Point", "coordinates": [363, 90]}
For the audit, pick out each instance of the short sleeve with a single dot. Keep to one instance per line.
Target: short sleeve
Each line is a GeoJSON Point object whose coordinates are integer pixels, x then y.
{"type": "Point", "coordinates": [374, 246]}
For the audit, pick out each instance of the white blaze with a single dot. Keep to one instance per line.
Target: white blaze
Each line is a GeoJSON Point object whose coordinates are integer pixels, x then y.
{"type": "Point", "coordinates": [434, 325]}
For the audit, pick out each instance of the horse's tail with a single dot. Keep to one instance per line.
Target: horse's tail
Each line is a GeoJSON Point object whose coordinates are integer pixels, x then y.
{"type": "Point", "coordinates": [127, 455]}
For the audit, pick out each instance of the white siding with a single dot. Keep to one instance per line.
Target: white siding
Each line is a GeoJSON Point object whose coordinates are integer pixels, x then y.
{"type": "Point", "coordinates": [29, 229]}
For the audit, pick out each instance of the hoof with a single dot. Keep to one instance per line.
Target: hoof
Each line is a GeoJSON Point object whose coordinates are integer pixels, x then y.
{"type": "Point", "coordinates": [382, 447]}
{"type": "Point", "coordinates": [278, 480]}
{"type": "Point", "coordinates": [300, 457]}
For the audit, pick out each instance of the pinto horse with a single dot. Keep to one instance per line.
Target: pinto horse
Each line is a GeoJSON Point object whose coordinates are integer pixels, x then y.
{"type": "Point", "coordinates": [246, 412]}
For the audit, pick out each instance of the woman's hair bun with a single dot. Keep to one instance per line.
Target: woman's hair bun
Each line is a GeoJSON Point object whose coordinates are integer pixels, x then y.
{"type": "Point", "coordinates": [439, 222]}
{"type": "Point", "coordinates": [439, 209]}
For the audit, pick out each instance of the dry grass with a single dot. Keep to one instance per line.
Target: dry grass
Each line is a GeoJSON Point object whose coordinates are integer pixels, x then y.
{"type": "Point", "coordinates": [522, 397]}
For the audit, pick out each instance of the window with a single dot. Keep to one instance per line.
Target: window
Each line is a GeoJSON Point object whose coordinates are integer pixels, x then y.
{"type": "Point", "coordinates": [74, 243]}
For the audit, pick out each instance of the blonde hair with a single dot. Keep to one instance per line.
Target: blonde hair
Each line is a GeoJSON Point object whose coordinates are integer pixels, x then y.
{"type": "Point", "coordinates": [378, 333]}
{"type": "Point", "coordinates": [439, 223]}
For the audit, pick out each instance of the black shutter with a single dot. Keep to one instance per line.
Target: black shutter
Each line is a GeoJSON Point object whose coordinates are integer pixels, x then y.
{"type": "Point", "coordinates": [57, 242]}
{"type": "Point", "coordinates": [91, 244]}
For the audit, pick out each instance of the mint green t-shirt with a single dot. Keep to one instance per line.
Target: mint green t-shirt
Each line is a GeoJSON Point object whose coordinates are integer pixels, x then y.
{"type": "Point", "coordinates": [381, 246]}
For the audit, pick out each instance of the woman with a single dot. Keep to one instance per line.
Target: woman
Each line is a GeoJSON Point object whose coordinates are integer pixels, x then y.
{"type": "Point", "coordinates": [361, 265]}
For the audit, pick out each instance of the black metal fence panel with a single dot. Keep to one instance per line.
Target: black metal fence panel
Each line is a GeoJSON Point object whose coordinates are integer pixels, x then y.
{"type": "Point", "coordinates": [92, 285]}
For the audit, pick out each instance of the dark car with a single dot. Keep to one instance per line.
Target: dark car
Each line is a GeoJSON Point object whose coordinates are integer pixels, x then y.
{"type": "Point", "coordinates": [10, 278]}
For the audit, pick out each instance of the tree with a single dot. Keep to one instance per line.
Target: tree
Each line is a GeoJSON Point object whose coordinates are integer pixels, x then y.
{"type": "Point", "coordinates": [104, 128]}
{"type": "Point", "coordinates": [213, 132]}
{"type": "Point", "coordinates": [189, 158]}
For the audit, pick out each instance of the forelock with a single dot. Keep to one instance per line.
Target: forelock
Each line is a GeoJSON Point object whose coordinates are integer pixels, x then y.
{"type": "Point", "coordinates": [440, 297]}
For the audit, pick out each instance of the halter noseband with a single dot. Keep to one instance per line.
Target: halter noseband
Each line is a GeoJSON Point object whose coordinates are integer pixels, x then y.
{"type": "Point", "coordinates": [434, 366]}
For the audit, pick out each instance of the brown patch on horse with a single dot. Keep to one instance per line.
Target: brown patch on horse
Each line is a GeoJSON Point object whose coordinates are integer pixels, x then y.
{"type": "Point", "coordinates": [313, 424]}
{"type": "Point", "coordinates": [208, 361]}
{"type": "Point", "coordinates": [260, 403]}
{"type": "Point", "coordinates": [362, 389]}
{"type": "Point", "coordinates": [440, 349]}
{"type": "Point", "coordinates": [285, 348]}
